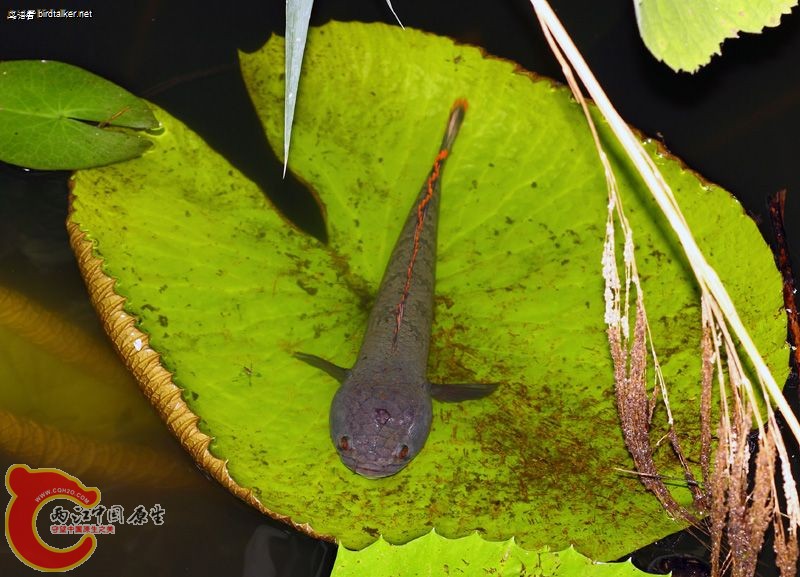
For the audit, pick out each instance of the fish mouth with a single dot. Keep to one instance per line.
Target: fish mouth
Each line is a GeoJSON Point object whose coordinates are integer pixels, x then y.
{"type": "Point", "coordinates": [371, 471]}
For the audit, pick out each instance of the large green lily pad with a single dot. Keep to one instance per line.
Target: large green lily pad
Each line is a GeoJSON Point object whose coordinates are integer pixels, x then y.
{"type": "Point", "coordinates": [227, 290]}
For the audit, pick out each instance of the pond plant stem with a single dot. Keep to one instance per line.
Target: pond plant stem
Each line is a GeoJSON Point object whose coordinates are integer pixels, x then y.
{"type": "Point", "coordinates": [707, 278]}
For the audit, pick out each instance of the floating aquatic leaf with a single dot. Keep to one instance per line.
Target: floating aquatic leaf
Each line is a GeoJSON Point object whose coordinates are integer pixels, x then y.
{"type": "Point", "coordinates": [435, 555]}
{"type": "Point", "coordinates": [225, 290]}
{"type": "Point", "coordinates": [685, 35]}
{"type": "Point", "coordinates": [55, 116]}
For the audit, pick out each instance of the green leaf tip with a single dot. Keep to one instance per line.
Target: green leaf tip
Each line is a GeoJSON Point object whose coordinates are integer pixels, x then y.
{"type": "Point", "coordinates": [227, 291]}
{"type": "Point", "coordinates": [55, 116]}
{"type": "Point", "coordinates": [685, 35]}
{"type": "Point", "coordinates": [433, 554]}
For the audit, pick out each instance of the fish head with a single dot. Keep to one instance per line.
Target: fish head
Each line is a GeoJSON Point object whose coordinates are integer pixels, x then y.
{"type": "Point", "coordinates": [377, 431]}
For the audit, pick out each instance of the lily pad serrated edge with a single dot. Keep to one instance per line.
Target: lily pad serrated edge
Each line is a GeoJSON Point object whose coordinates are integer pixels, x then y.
{"type": "Point", "coordinates": [381, 554]}
{"type": "Point", "coordinates": [155, 381]}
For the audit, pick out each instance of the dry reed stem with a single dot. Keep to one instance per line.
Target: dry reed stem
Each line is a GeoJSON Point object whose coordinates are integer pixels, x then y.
{"type": "Point", "coordinates": [738, 513]}
{"type": "Point", "coordinates": [705, 274]}
{"type": "Point", "coordinates": [630, 359]}
{"type": "Point", "coordinates": [707, 384]}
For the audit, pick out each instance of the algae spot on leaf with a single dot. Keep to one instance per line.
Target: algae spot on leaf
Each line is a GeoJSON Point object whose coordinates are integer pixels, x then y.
{"type": "Point", "coordinates": [536, 459]}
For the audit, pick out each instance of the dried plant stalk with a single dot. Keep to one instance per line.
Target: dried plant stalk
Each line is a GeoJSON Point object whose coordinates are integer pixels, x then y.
{"type": "Point", "coordinates": [745, 513]}
{"type": "Point", "coordinates": [706, 277]}
{"type": "Point", "coordinates": [630, 358]}
{"type": "Point", "coordinates": [761, 501]}
{"type": "Point", "coordinates": [720, 480]}
{"type": "Point", "coordinates": [786, 542]}
{"type": "Point", "coordinates": [785, 526]}
{"type": "Point", "coordinates": [739, 513]}
{"type": "Point", "coordinates": [777, 208]}
{"type": "Point", "coordinates": [630, 371]}
{"type": "Point", "coordinates": [708, 354]}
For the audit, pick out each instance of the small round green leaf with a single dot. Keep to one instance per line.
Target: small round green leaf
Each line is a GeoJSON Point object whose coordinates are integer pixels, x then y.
{"type": "Point", "coordinates": [52, 117]}
{"type": "Point", "coordinates": [685, 35]}
{"type": "Point", "coordinates": [227, 291]}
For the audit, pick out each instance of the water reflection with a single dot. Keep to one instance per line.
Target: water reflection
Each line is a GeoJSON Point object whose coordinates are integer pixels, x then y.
{"type": "Point", "coordinates": [67, 402]}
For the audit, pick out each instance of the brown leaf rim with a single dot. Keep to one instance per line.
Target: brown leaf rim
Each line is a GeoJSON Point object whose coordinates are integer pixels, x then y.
{"type": "Point", "coordinates": [155, 381]}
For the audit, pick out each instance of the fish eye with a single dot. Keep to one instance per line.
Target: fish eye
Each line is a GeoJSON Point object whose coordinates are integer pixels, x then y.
{"type": "Point", "coordinates": [403, 452]}
{"type": "Point", "coordinates": [344, 443]}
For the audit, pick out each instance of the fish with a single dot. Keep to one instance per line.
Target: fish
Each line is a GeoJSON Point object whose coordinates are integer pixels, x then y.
{"type": "Point", "coordinates": [380, 416]}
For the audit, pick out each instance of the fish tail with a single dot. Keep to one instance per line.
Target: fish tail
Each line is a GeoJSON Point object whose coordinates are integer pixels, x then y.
{"type": "Point", "coordinates": [454, 123]}
{"type": "Point", "coordinates": [429, 191]}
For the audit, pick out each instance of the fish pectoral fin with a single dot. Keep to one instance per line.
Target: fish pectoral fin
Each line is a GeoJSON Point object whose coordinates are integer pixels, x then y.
{"type": "Point", "coordinates": [337, 372]}
{"type": "Point", "coordinates": [461, 392]}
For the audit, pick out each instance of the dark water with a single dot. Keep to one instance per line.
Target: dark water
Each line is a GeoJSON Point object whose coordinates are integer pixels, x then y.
{"type": "Point", "coordinates": [736, 122]}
